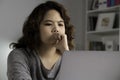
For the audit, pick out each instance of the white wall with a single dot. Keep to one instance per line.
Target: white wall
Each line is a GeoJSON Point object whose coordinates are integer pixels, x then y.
{"type": "Point", "coordinates": [12, 15]}
{"type": "Point", "coordinates": [76, 10]}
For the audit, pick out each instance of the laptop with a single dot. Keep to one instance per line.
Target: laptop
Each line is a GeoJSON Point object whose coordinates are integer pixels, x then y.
{"type": "Point", "coordinates": [90, 65]}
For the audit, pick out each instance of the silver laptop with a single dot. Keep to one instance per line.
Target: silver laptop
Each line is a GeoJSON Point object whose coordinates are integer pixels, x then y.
{"type": "Point", "coordinates": [90, 65]}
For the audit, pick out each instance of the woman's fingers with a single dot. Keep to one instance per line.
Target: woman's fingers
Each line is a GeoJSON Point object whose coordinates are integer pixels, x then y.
{"type": "Point", "coordinates": [62, 43]}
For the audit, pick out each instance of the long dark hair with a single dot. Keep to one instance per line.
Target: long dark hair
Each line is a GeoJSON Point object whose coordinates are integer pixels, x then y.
{"type": "Point", "coordinates": [31, 36]}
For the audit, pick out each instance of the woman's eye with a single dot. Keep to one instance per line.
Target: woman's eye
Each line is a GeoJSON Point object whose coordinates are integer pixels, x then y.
{"type": "Point", "coordinates": [60, 25]}
{"type": "Point", "coordinates": [48, 24]}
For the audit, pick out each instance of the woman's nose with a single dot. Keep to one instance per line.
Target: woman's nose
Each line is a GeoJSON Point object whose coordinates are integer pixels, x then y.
{"type": "Point", "coordinates": [55, 30]}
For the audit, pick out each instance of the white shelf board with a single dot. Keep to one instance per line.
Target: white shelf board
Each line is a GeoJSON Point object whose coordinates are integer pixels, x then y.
{"type": "Point", "coordinates": [114, 8]}
{"type": "Point", "coordinates": [105, 32]}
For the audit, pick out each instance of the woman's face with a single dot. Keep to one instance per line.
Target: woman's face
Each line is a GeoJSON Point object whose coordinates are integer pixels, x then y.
{"type": "Point", "coordinates": [51, 26]}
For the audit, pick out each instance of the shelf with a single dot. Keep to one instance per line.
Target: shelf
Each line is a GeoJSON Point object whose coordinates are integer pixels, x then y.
{"type": "Point", "coordinates": [108, 9]}
{"type": "Point", "coordinates": [105, 32]}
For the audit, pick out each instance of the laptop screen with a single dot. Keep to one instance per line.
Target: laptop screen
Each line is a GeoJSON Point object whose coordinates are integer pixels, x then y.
{"type": "Point", "coordinates": [90, 65]}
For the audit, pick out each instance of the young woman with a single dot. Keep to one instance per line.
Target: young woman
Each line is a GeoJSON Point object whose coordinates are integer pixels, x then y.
{"type": "Point", "coordinates": [47, 34]}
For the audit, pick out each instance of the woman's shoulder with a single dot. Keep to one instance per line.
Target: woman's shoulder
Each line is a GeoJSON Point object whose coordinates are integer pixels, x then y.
{"type": "Point", "coordinates": [17, 51]}
{"type": "Point", "coordinates": [17, 55]}
{"type": "Point", "coordinates": [18, 65]}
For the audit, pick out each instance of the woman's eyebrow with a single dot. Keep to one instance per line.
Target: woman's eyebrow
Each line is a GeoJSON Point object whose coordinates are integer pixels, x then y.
{"type": "Point", "coordinates": [53, 21]}
{"type": "Point", "coordinates": [48, 21]}
{"type": "Point", "coordinates": [61, 21]}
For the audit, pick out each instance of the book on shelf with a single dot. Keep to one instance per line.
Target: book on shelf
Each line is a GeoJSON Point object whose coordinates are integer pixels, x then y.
{"type": "Point", "coordinates": [102, 4]}
{"type": "Point", "coordinates": [117, 2]}
{"type": "Point", "coordinates": [116, 22]}
{"type": "Point", "coordinates": [111, 3]}
{"type": "Point", "coordinates": [103, 21]}
{"type": "Point", "coordinates": [118, 47]}
{"type": "Point", "coordinates": [108, 45]}
{"type": "Point", "coordinates": [94, 4]}
{"type": "Point", "coordinates": [92, 23]}
{"type": "Point", "coordinates": [96, 46]}
{"type": "Point", "coordinates": [108, 3]}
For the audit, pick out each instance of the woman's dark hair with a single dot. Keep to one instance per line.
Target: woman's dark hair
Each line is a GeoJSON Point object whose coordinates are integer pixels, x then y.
{"type": "Point", "coordinates": [31, 35]}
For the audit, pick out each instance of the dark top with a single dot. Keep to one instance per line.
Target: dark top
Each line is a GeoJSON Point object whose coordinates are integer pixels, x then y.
{"type": "Point", "coordinates": [24, 64]}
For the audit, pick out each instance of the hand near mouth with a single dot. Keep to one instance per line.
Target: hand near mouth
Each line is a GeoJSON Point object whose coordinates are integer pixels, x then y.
{"type": "Point", "coordinates": [60, 42]}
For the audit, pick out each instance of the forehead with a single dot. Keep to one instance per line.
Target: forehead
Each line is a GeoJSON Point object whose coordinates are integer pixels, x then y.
{"type": "Point", "coordinates": [52, 15]}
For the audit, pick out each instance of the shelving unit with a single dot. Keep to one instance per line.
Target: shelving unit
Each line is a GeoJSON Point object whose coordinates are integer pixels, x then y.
{"type": "Point", "coordinates": [102, 35]}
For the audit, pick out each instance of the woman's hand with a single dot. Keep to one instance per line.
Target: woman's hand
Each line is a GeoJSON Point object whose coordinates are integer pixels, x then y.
{"type": "Point", "coordinates": [60, 42]}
